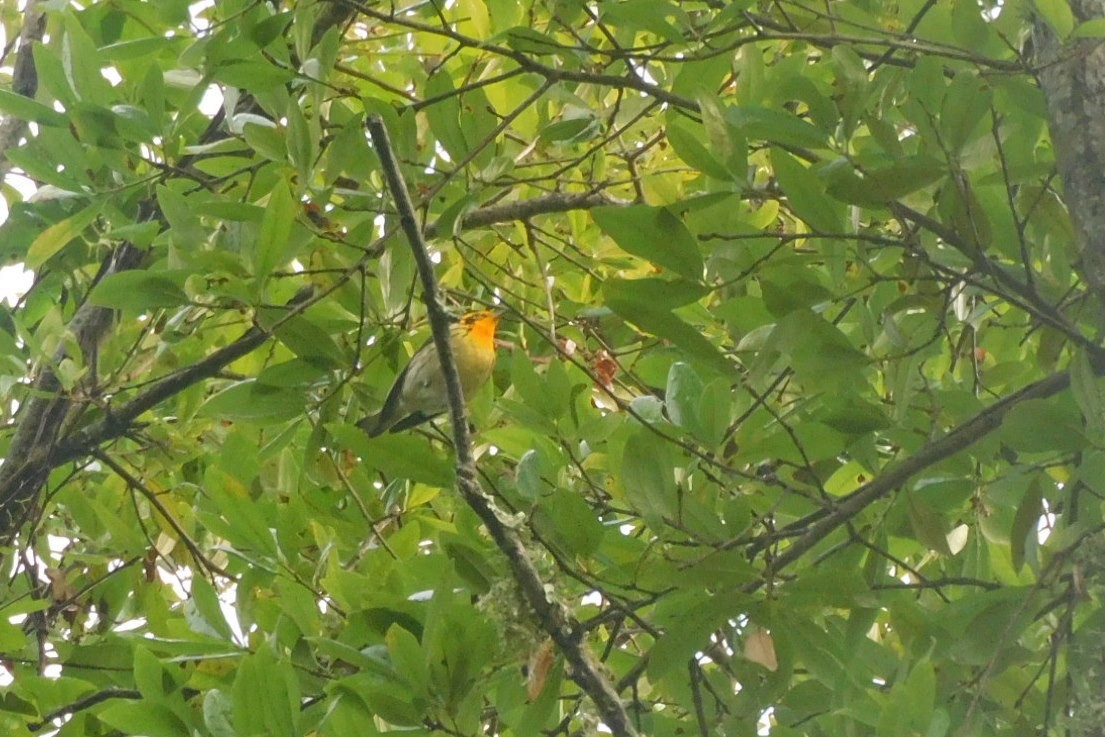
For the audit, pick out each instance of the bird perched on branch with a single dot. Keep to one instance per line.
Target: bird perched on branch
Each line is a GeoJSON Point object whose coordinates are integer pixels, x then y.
{"type": "Point", "coordinates": [419, 392]}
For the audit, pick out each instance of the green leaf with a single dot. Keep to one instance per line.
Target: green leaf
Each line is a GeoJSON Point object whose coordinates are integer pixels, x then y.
{"type": "Point", "coordinates": [532, 388]}
{"type": "Point", "coordinates": [266, 140]}
{"type": "Point", "coordinates": [137, 48]}
{"type": "Point", "coordinates": [272, 243]}
{"type": "Point", "coordinates": [236, 516]}
{"type": "Point", "coordinates": [184, 222]}
{"type": "Point", "coordinates": [884, 184]}
{"type": "Point", "coordinates": [80, 60]}
{"type": "Point", "coordinates": [966, 106]}
{"type": "Point", "coordinates": [530, 41]}
{"type": "Point", "coordinates": [819, 350]}
{"type": "Point", "coordinates": [248, 401]}
{"type": "Point", "coordinates": [688, 141]}
{"type": "Point", "coordinates": [302, 143]}
{"type": "Point", "coordinates": [139, 291]}
{"type": "Point", "coordinates": [59, 235]}
{"type": "Point", "coordinates": [567, 130]}
{"type": "Point", "coordinates": [776, 125]}
{"type": "Point", "coordinates": [909, 708]}
{"type": "Point", "coordinates": [207, 609]}
{"type": "Point", "coordinates": [695, 616]}
{"type": "Point", "coordinates": [682, 394]}
{"type": "Point", "coordinates": [714, 410]}
{"type": "Point", "coordinates": [648, 477]}
{"type": "Point", "coordinates": [1025, 522]}
{"type": "Point", "coordinates": [408, 659]}
{"type": "Point", "coordinates": [249, 712]}
{"type": "Point", "coordinates": [527, 475]}
{"type": "Point", "coordinates": [1093, 28]}
{"type": "Point", "coordinates": [646, 15]}
{"type": "Point", "coordinates": [726, 141]}
{"type": "Point", "coordinates": [218, 710]}
{"type": "Point", "coordinates": [143, 717]}
{"type": "Point", "coordinates": [653, 233]}
{"type": "Point", "coordinates": [1058, 15]}
{"type": "Point", "coordinates": [444, 114]}
{"type": "Point", "coordinates": [257, 76]}
{"type": "Point", "coordinates": [400, 455]}
{"type": "Point", "coordinates": [390, 703]}
{"type": "Point", "coordinates": [12, 637]}
{"type": "Point", "coordinates": [25, 108]}
{"type": "Point", "coordinates": [569, 520]}
{"type": "Point", "coordinates": [1021, 427]}
{"type": "Point", "coordinates": [1086, 388]}
{"type": "Point", "coordinates": [660, 294]}
{"type": "Point", "coordinates": [806, 194]}
{"type": "Point", "coordinates": [853, 415]}
{"type": "Point", "coordinates": [928, 526]}
{"type": "Point", "coordinates": [630, 299]}
{"type": "Point", "coordinates": [266, 696]}
{"type": "Point", "coordinates": [311, 342]}
{"type": "Point", "coordinates": [148, 674]}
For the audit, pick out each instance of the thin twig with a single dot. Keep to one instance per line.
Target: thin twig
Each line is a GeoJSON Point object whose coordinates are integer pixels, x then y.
{"type": "Point", "coordinates": [818, 525]}
{"type": "Point", "coordinates": [86, 702]}
{"type": "Point", "coordinates": [136, 484]}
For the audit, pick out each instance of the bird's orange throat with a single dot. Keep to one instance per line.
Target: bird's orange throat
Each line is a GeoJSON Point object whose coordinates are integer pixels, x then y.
{"type": "Point", "coordinates": [482, 331]}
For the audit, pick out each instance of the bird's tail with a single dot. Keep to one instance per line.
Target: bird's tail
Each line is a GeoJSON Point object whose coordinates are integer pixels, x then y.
{"type": "Point", "coordinates": [372, 425]}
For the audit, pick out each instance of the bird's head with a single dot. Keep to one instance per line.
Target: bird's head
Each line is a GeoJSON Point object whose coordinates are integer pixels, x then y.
{"type": "Point", "coordinates": [481, 327]}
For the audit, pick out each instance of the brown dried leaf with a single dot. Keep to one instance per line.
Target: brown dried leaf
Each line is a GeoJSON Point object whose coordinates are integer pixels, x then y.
{"type": "Point", "coordinates": [759, 647]}
{"type": "Point", "coordinates": [539, 666]}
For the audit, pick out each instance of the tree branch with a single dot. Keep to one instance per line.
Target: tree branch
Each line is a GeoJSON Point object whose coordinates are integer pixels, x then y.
{"type": "Point", "coordinates": [86, 702]}
{"type": "Point", "coordinates": [821, 523]}
{"type": "Point", "coordinates": [1072, 76]}
{"type": "Point", "coordinates": [525, 209]}
{"type": "Point", "coordinates": [564, 629]}
{"type": "Point", "coordinates": [24, 79]}
{"type": "Point", "coordinates": [136, 484]}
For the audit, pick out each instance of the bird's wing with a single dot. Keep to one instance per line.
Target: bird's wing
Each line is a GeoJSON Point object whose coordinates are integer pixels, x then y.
{"type": "Point", "coordinates": [381, 421]}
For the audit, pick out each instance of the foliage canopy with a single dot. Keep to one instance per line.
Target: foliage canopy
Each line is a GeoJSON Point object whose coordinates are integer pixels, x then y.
{"type": "Point", "coordinates": [797, 412]}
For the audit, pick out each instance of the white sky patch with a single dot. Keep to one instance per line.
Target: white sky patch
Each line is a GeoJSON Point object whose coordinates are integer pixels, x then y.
{"type": "Point", "coordinates": [763, 726]}
{"type": "Point", "coordinates": [130, 625]}
{"type": "Point", "coordinates": [180, 581]}
{"type": "Point", "coordinates": [15, 280]}
{"type": "Point", "coordinates": [196, 10]}
{"type": "Point", "coordinates": [1046, 524]}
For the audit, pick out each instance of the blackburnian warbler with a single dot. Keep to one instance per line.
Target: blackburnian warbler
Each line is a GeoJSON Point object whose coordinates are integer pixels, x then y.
{"type": "Point", "coordinates": [419, 393]}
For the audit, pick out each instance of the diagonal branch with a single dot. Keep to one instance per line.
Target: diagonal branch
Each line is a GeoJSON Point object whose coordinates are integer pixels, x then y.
{"type": "Point", "coordinates": [564, 629]}
{"type": "Point", "coordinates": [820, 524]}
{"type": "Point", "coordinates": [136, 484]}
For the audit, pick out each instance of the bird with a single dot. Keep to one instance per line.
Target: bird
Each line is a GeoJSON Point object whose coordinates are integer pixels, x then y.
{"type": "Point", "coordinates": [419, 392]}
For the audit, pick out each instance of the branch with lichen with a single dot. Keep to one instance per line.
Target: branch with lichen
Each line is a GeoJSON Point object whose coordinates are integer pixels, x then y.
{"type": "Point", "coordinates": [552, 615]}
